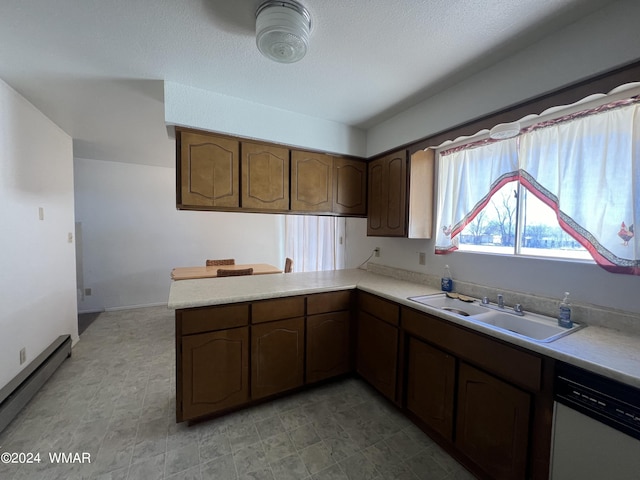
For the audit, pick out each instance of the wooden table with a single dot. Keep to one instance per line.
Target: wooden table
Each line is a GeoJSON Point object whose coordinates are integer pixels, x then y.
{"type": "Point", "coordinates": [185, 273]}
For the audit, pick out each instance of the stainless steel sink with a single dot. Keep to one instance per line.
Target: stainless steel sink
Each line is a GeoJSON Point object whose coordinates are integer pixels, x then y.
{"type": "Point", "coordinates": [453, 305]}
{"type": "Point", "coordinates": [529, 325]}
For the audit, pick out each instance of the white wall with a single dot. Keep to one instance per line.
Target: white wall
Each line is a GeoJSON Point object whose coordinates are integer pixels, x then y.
{"type": "Point", "coordinates": [599, 42]}
{"type": "Point", "coordinates": [194, 107]}
{"type": "Point", "coordinates": [132, 235]}
{"type": "Point", "coordinates": [37, 268]}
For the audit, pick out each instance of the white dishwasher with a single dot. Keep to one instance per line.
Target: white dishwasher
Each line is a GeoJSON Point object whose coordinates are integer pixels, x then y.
{"type": "Point", "coordinates": [596, 427]}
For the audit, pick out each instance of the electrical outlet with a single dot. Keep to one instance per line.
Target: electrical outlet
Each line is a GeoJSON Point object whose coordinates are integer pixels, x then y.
{"type": "Point", "coordinates": [87, 292]}
{"type": "Point", "coordinates": [23, 355]}
{"type": "Point", "coordinates": [41, 213]}
{"type": "Point", "coordinates": [377, 251]}
{"type": "Point", "coordinates": [422, 258]}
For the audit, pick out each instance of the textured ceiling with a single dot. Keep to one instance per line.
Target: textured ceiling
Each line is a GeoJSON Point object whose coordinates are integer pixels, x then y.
{"type": "Point", "coordinates": [95, 67]}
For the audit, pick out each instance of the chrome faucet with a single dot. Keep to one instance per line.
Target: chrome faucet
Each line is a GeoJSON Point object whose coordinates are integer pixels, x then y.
{"type": "Point", "coordinates": [517, 309]}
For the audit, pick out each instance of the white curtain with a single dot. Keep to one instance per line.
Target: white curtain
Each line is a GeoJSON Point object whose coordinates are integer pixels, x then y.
{"type": "Point", "coordinates": [584, 166]}
{"type": "Point", "coordinates": [587, 170]}
{"type": "Point", "coordinates": [468, 176]}
{"type": "Point", "coordinates": [315, 242]}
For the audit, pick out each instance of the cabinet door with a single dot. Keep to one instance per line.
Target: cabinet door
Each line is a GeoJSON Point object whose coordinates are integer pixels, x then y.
{"type": "Point", "coordinates": [431, 377]}
{"type": "Point", "coordinates": [327, 345]}
{"type": "Point", "coordinates": [208, 171]}
{"type": "Point", "coordinates": [215, 371]}
{"type": "Point", "coordinates": [349, 186]}
{"type": "Point", "coordinates": [265, 177]}
{"type": "Point", "coordinates": [387, 201]}
{"type": "Point", "coordinates": [492, 423]}
{"type": "Point", "coordinates": [421, 188]}
{"type": "Point", "coordinates": [311, 182]}
{"type": "Point", "coordinates": [277, 357]}
{"type": "Point", "coordinates": [377, 353]}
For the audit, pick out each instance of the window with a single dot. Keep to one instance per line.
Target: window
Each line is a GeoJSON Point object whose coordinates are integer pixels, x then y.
{"type": "Point", "coordinates": [540, 233]}
{"type": "Point", "coordinates": [567, 188]}
{"type": "Point", "coordinates": [534, 232]}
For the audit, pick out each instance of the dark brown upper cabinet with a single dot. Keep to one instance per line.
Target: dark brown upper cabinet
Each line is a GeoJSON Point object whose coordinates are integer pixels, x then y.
{"type": "Point", "coordinates": [265, 177]}
{"type": "Point", "coordinates": [349, 187]}
{"type": "Point", "coordinates": [208, 171]}
{"type": "Point", "coordinates": [387, 196]}
{"type": "Point", "coordinates": [322, 183]}
{"type": "Point", "coordinates": [218, 172]}
{"type": "Point", "coordinates": [400, 197]}
{"type": "Point", "coordinates": [311, 182]}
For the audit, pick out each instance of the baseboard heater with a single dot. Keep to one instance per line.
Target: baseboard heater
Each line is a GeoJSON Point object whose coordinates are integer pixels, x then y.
{"type": "Point", "coordinates": [17, 393]}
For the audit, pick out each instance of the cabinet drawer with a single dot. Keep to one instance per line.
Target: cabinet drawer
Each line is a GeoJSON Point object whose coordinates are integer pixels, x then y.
{"type": "Point", "coordinates": [268, 310]}
{"type": "Point", "coordinates": [208, 319]}
{"type": "Point", "coordinates": [329, 302]}
{"type": "Point", "coordinates": [380, 308]}
{"type": "Point", "coordinates": [511, 364]}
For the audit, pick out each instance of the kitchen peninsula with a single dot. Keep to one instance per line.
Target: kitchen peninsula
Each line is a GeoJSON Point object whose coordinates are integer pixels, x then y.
{"type": "Point", "coordinates": [246, 339]}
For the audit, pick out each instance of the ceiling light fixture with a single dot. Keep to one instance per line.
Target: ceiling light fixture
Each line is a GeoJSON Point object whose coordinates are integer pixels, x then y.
{"type": "Point", "coordinates": [282, 30]}
{"type": "Point", "coordinates": [505, 130]}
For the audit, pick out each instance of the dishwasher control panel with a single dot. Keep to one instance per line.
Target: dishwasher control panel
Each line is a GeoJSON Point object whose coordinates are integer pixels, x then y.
{"type": "Point", "coordinates": [601, 398]}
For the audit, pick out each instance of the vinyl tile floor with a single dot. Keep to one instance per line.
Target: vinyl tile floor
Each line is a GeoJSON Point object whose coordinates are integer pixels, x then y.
{"type": "Point", "coordinates": [111, 406]}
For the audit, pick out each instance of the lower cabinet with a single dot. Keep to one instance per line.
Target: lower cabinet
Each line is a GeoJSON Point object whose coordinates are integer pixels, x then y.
{"type": "Point", "coordinates": [490, 402]}
{"type": "Point", "coordinates": [377, 346]}
{"type": "Point", "coordinates": [215, 371]}
{"type": "Point", "coordinates": [228, 356]}
{"type": "Point", "coordinates": [431, 376]}
{"type": "Point", "coordinates": [486, 401]}
{"type": "Point", "coordinates": [329, 349]}
{"type": "Point", "coordinates": [493, 423]}
{"type": "Point", "coordinates": [277, 357]}
{"type": "Point", "coordinates": [328, 345]}
{"type": "Point", "coordinates": [378, 353]}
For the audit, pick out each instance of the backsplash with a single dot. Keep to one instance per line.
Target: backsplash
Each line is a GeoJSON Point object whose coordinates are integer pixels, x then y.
{"type": "Point", "coordinates": [580, 312]}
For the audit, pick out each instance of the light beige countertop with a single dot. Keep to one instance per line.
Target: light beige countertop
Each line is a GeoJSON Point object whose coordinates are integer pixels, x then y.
{"type": "Point", "coordinates": [609, 352]}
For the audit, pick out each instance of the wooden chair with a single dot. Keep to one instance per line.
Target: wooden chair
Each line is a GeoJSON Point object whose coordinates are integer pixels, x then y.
{"type": "Point", "coordinates": [288, 265]}
{"type": "Point", "coordinates": [234, 273]}
{"type": "Point", "coordinates": [224, 261]}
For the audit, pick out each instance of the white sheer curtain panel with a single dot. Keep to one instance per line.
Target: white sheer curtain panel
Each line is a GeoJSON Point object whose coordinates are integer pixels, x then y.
{"type": "Point", "coordinates": [588, 171]}
{"type": "Point", "coordinates": [468, 177]}
{"type": "Point", "coordinates": [315, 242]}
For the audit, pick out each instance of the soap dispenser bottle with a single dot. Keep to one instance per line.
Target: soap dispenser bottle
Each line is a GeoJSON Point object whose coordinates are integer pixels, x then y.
{"type": "Point", "coordinates": [564, 315]}
{"type": "Point", "coordinates": [446, 283]}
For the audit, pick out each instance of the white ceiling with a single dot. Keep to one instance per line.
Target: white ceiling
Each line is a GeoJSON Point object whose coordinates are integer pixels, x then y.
{"type": "Point", "coordinates": [96, 67]}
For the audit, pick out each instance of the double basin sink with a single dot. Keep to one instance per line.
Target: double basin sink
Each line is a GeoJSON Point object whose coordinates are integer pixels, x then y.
{"type": "Point", "coordinates": [531, 326]}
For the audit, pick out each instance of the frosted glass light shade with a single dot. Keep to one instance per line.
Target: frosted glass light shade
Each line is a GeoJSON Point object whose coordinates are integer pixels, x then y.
{"type": "Point", "coordinates": [282, 30]}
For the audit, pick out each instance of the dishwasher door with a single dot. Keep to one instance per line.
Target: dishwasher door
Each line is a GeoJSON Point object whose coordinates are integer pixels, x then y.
{"type": "Point", "coordinates": [585, 449]}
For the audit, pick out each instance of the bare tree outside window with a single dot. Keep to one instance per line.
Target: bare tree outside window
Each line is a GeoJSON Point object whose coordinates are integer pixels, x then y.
{"type": "Point", "coordinates": [493, 230]}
